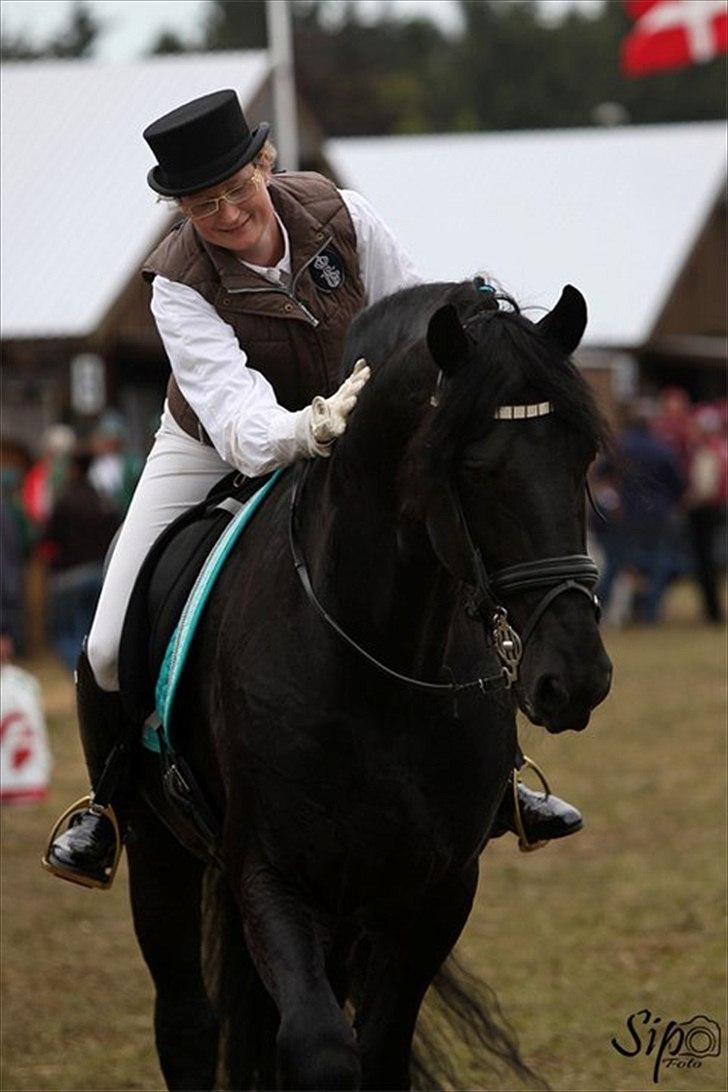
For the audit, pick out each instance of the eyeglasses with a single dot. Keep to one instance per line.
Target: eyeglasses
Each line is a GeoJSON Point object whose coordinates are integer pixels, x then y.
{"type": "Point", "coordinates": [238, 195]}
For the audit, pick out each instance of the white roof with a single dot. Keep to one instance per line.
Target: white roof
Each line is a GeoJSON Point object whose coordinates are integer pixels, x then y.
{"type": "Point", "coordinates": [77, 215]}
{"type": "Point", "coordinates": [613, 211]}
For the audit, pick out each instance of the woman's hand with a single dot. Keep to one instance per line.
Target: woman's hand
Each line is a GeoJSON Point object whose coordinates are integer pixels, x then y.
{"type": "Point", "coordinates": [327, 418]}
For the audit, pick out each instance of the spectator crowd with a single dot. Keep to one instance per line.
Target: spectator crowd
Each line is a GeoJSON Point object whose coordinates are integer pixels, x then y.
{"type": "Point", "coordinates": [663, 490]}
{"type": "Point", "coordinates": [61, 514]}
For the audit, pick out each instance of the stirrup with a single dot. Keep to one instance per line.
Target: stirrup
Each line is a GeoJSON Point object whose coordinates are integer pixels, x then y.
{"type": "Point", "coordinates": [523, 843]}
{"type": "Point", "coordinates": [85, 803]}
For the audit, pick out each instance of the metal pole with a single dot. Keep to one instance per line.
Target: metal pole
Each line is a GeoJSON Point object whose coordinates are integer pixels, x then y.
{"type": "Point", "coordinates": [280, 46]}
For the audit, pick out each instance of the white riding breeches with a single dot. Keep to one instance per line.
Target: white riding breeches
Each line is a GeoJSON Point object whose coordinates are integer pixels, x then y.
{"type": "Point", "coordinates": [178, 474]}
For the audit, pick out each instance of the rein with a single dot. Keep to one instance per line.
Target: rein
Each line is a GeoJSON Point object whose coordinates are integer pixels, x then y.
{"type": "Point", "coordinates": [571, 572]}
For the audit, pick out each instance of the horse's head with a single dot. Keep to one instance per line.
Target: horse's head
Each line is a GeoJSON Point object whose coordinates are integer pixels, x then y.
{"type": "Point", "coordinates": [505, 451]}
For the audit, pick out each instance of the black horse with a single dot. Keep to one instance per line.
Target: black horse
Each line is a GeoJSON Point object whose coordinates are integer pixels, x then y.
{"type": "Point", "coordinates": [358, 785]}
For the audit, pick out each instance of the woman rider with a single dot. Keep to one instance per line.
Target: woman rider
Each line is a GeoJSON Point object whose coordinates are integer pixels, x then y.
{"type": "Point", "coordinates": [252, 295]}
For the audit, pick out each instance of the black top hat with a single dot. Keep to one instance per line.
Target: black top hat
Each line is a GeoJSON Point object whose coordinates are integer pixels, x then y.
{"type": "Point", "coordinates": [201, 143]}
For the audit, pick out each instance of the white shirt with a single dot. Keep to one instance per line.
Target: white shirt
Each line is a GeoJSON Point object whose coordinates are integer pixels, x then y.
{"type": "Point", "coordinates": [235, 403]}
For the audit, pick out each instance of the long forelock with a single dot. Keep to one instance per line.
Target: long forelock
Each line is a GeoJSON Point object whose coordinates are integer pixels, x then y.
{"type": "Point", "coordinates": [512, 362]}
{"type": "Point", "coordinates": [382, 331]}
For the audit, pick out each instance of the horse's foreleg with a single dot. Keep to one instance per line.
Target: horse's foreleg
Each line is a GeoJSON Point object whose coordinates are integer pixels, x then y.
{"type": "Point", "coordinates": [288, 941]}
{"type": "Point", "coordinates": [165, 885]}
{"type": "Point", "coordinates": [404, 960]}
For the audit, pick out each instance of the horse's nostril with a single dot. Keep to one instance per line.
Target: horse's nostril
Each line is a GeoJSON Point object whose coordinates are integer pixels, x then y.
{"type": "Point", "coordinates": [550, 695]}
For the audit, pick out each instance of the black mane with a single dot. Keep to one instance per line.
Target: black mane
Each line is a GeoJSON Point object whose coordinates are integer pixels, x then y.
{"type": "Point", "coordinates": [510, 361]}
{"type": "Point", "coordinates": [400, 320]}
{"type": "Point", "coordinates": [523, 366]}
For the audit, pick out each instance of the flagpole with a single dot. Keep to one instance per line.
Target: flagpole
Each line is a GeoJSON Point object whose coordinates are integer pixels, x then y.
{"type": "Point", "coordinates": [280, 47]}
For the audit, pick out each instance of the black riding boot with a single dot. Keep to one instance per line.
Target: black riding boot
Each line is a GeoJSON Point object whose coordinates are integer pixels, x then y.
{"type": "Point", "coordinates": [88, 851]}
{"type": "Point", "coordinates": [536, 817]}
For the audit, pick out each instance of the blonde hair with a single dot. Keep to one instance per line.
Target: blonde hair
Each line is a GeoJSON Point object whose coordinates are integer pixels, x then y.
{"type": "Point", "coordinates": [266, 157]}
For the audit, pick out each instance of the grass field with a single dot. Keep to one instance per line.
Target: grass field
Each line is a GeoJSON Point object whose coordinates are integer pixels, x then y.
{"type": "Point", "coordinates": [627, 915]}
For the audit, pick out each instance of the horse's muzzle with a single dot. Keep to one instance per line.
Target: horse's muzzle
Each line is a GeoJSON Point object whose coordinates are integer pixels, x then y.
{"type": "Point", "coordinates": [561, 701]}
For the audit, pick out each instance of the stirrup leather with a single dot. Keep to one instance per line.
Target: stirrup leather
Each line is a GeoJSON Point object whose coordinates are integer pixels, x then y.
{"type": "Point", "coordinates": [523, 843]}
{"type": "Point", "coordinates": [85, 803]}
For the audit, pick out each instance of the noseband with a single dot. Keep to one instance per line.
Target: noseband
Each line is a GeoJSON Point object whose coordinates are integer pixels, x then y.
{"type": "Point", "coordinates": [570, 572]}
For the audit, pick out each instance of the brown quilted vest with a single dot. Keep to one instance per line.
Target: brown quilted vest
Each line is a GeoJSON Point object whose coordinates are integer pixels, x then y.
{"type": "Point", "coordinates": [293, 336]}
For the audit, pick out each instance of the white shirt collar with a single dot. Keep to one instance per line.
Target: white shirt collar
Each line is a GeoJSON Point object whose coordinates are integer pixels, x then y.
{"type": "Point", "coordinates": [280, 273]}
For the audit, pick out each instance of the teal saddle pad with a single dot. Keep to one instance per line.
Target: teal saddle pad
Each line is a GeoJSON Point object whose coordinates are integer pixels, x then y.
{"type": "Point", "coordinates": [169, 599]}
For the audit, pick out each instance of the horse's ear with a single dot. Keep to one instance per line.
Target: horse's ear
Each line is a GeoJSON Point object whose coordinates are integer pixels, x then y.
{"type": "Point", "coordinates": [566, 323]}
{"type": "Point", "coordinates": [446, 339]}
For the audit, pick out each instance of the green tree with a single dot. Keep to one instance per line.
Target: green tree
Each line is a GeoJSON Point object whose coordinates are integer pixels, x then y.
{"type": "Point", "coordinates": [77, 39]}
{"type": "Point", "coordinates": [231, 24]}
{"type": "Point", "coordinates": [358, 77]}
{"type": "Point", "coordinates": [169, 42]}
{"type": "Point", "coordinates": [362, 78]}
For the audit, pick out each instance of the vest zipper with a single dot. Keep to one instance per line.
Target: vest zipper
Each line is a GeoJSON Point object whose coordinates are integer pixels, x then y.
{"type": "Point", "coordinates": [289, 292]}
{"type": "Point", "coordinates": [311, 259]}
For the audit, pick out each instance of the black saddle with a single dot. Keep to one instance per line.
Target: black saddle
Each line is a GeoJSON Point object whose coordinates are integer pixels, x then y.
{"type": "Point", "coordinates": [164, 583]}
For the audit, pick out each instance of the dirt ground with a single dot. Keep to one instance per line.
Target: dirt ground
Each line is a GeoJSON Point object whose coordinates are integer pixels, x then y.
{"type": "Point", "coordinates": [628, 915]}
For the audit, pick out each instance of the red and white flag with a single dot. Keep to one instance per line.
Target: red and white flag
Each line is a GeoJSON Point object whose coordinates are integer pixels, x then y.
{"type": "Point", "coordinates": [673, 34]}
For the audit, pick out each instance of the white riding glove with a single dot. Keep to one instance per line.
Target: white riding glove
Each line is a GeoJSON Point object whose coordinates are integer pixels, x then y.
{"type": "Point", "coordinates": [325, 419]}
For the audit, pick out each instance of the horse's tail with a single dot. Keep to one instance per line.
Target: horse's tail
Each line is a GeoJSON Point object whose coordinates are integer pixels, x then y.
{"type": "Point", "coordinates": [460, 1020]}
{"type": "Point", "coordinates": [248, 1017]}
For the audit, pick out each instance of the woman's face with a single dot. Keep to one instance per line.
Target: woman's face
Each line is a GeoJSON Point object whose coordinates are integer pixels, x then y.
{"type": "Point", "coordinates": [249, 228]}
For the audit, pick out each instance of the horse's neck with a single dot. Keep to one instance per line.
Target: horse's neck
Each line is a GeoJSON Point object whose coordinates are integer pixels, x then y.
{"type": "Point", "coordinates": [385, 582]}
{"type": "Point", "coordinates": [380, 581]}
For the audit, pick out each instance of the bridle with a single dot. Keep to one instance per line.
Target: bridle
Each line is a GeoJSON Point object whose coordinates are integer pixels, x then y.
{"type": "Point", "coordinates": [559, 575]}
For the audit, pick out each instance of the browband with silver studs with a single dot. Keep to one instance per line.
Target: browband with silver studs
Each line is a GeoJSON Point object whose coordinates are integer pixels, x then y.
{"type": "Point", "coordinates": [520, 413]}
